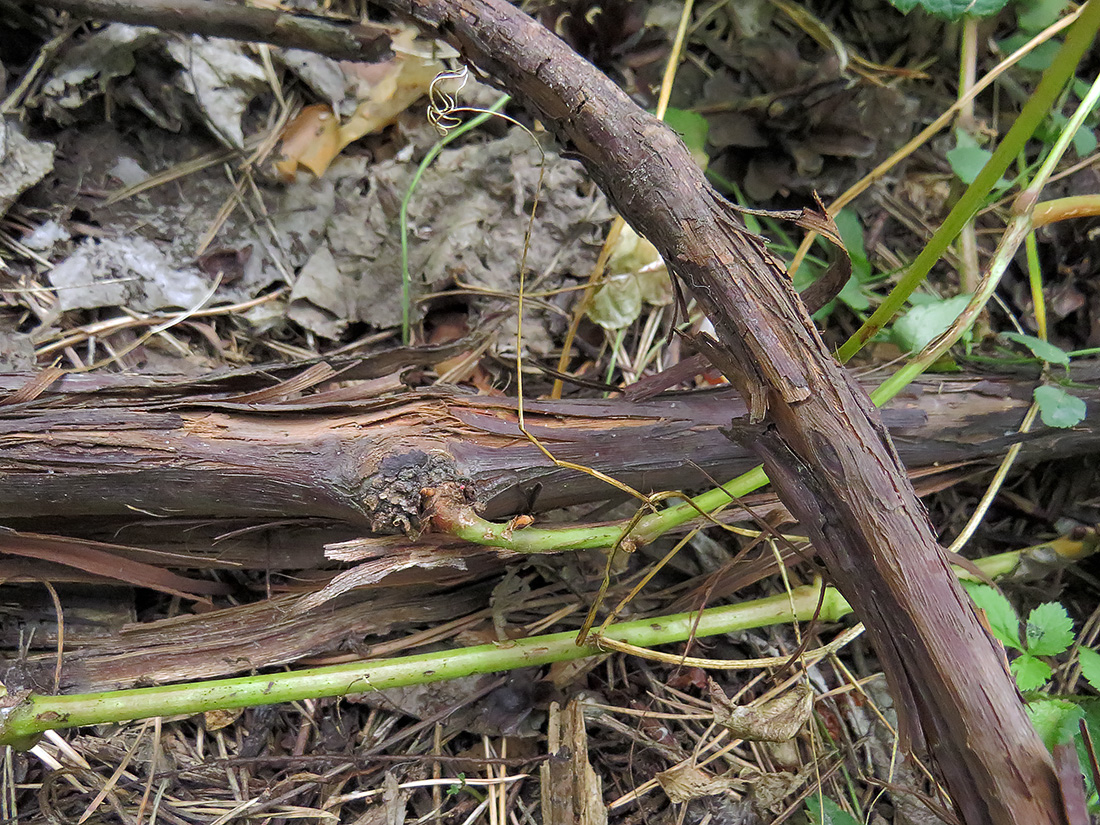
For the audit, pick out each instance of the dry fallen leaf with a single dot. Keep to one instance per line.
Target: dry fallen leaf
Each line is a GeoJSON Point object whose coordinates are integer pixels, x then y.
{"type": "Point", "coordinates": [685, 782]}
{"type": "Point", "coordinates": [775, 720]}
{"type": "Point", "coordinates": [311, 140]}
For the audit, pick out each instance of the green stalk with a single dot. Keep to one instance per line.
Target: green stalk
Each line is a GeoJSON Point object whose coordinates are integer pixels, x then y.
{"type": "Point", "coordinates": [19, 725]}
{"type": "Point", "coordinates": [466, 524]}
{"type": "Point", "coordinates": [33, 714]}
{"type": "Point", "coordinates": [1017, 231]}
{"type": "Point", "coordinates": [403, 214]}
{"type": "Point", "coordinates": [1079, 37]}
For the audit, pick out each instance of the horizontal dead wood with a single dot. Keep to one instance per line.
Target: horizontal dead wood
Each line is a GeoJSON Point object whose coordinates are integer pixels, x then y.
{"type": "Point", "coordinates": [129, 450]}
{"type": "Point", "coordinates": [348, 38]}
{"type": "Point", "coordinates": [235, 639]}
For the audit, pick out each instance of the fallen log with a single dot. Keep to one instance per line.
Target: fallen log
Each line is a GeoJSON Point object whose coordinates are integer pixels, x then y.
{"type": "Point", "coordinates": [130, 451]}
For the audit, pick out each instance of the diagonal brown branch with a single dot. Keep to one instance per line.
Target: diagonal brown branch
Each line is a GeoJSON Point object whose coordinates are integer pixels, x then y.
{"type": "Point", "coordinates": [824, 447]}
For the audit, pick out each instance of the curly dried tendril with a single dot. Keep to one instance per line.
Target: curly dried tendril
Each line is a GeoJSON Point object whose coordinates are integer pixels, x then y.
{"type": "Point", "coordinates": [442, 102]}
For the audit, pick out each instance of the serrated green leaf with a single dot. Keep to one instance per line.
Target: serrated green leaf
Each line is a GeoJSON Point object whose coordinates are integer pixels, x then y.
{"type": "Point", "coordinates": [1001, 616]}
{"type": "Point", "coordinates": [1055, 720]}
{"type": "Point", "coordinates": [1039, 348]}
{"type": "Point", "coordinates": [1049, 630]}
{"type": "Point", "coordinates": [1089, 660]}
{"type": "Point", "coordinates": [1091, 709]}
{"type": "Point", "coordinates": [823, 811]}
{"type": "Point", "coordinates": [1030, 673]}
{"type": "Point", "coordinates": [923, 324]}
{"type": "Point", "coordinates": [1058, 408]}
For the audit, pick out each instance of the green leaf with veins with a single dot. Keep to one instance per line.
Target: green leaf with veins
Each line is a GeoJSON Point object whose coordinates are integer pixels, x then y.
{"type": "Point", "coordinates": [953, 9]}
{"type": "Point", "coordinates": [1049, 630]}
{"type": "Point", "coordinates": [923, 324]}
{"type": "Point", "coordinates": [1031, 673]}
{"type": "Point", "coordinates": [1044, 350]}
{"type": "Point", "coordinates": [1001, 616]}
{"type": "Point", "coordinates": [1089, 660]}
{"type": "Point", "coordinates": [1054, 719]}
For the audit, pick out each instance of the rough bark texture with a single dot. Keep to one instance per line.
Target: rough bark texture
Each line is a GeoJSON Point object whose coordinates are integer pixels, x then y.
{"type": "Point", "coordinates": [348, 39]}
{"type": "Point", "coordinates": [181, 451]}
{"type": "Point", "coordinates": [824, 447]}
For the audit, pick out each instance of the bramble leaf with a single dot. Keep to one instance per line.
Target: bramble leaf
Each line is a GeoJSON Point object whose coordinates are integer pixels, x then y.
{"type": "Point", "coordinates": [1049, 630]}
{"type": "Point", "coordinates": [823, 811]}
{"type": "Point", "coordinates": [1089, 660]}
{"type": "Point", "coordinates": [1001, 616]}
{"type": "Point", "coordinates": [1030, 673]}
{"type": "Point", "coordinates": [1054, 719]}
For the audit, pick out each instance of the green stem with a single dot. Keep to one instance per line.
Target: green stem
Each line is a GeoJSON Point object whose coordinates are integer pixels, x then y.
{"type": "Point", "coordinates": [403, 214]}
{"type": "Point", "coordinates": [20, 725]}
{"type": "Point", "coordinates": [461, 521]}
{"type": "Point", "coordinates": [1020, 227]}
{"type": "Point", "coordinates": [1078, 38]}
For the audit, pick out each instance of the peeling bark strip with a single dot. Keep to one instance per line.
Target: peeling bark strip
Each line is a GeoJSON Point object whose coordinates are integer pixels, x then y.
{"type": "Point", "coordinates": [363, 460]}
{"type": "Point", "coordinates": [825, 449]}
{"type": "Point", "coordinates": [349, 39]}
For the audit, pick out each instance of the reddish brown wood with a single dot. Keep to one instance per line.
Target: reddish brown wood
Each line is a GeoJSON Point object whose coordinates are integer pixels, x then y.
{"type": "Point", "coordinates": [173, 449]}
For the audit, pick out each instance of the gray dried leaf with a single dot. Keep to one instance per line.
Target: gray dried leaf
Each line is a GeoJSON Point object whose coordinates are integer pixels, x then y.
{"type": "Point", "coordinates": [222, 79]}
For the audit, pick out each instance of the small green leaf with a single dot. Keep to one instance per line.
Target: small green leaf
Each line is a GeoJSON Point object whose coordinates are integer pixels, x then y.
{"type": "Point", "coordinates": [1049, 630]}
{"type": "Point", "coordinates": [823, 811]}
{"type": "Point", "coordinates": [953, 9]}
{"type": "Point", "coordinates": [1038, 59]}
{"type": "Point", "coordinates": [851, 232]}
{"type": "Point", "coordinates": [968, 161]}
{"type": "Point", "coordinates": [1041, 349]}
{"type": "Point", "coordinates": [1036, 15]}
{"type": "Point", "coordinates": [1001, 616]}
{"type": "Point", "coordinates": [923, 324]}
{"type": "Point", "coordinates": [1054, 719]}
{"type": "Point", "coordinates": [853, 296]}
{"type": "Point", "coordinates": [693, 129]}
{"type": "Point", "coordinates": [1058, 408]}
{"type": "Point", "coordinates": [1030, 673]}
{"type": "Point", "coordinates": [1084, 141]}
{"type": "Point", "coordinates": [1089, 660]}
